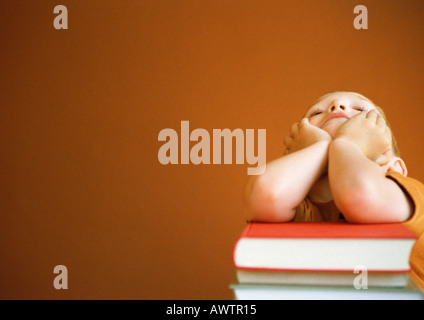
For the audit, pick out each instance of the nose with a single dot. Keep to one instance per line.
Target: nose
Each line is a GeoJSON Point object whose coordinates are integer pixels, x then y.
{"type": "Point", "coordinates": [336, 105]}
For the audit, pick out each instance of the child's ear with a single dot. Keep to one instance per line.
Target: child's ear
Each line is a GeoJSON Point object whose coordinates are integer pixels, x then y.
{"type": "Point", "coordinates": [398, 165]}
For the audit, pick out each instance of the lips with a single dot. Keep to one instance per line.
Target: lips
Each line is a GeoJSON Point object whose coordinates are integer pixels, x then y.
{"type": "Point", "coordinates": [335, 116]}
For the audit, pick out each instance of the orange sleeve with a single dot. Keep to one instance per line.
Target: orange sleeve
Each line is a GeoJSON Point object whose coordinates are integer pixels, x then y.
{"type": "Point", "coordinates": [415, 191]}
{"type": "Point", "coordinates": [417, 262]}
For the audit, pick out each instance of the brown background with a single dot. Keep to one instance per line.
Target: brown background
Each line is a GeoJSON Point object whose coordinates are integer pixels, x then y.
{"type": "Point", "coordinates": [81, 110]}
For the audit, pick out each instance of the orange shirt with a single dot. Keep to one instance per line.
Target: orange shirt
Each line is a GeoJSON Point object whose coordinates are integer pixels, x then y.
{"type": "Point", "coordinates": [310, 211]}
{"type": "Point", "coordinates": [415, 190]}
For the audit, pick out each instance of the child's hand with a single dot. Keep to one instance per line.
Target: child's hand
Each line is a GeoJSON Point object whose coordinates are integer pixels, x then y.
{"type": "Point", "coordinates": [302, 135]}
{"type": "Point", "coordinates": [370, 133]}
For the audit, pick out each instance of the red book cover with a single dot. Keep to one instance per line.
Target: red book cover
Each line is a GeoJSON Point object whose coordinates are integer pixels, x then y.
{"type": "Point", "coordinates": [327, 230]}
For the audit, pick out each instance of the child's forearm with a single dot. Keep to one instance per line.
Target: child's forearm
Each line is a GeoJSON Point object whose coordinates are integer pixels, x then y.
{"type": "Point", "coordinates": [275, 195]}
{"type": "Point", "coordinates": [360, 188]}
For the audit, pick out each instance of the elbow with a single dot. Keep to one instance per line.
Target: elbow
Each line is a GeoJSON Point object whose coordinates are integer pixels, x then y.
{"type": "Point", "coordinates": [265, 204]}
{"type": "Point", "coordinates": [357, 204]}
{"type": "Point", "coordinates": [361, 205]}
{"type": "Point", "coordinates": [354, 209]}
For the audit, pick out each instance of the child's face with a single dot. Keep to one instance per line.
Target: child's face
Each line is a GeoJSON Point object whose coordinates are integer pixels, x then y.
{"type": "Point", "coordinates": [333, 109]}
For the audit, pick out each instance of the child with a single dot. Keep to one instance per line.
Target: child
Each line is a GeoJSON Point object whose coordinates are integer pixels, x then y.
{"type": "Point", "coordinates": [341, 164]}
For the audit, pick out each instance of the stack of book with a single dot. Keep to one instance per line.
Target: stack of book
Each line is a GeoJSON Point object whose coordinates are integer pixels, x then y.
{"type": "Point", "coordinates": [323, 261]}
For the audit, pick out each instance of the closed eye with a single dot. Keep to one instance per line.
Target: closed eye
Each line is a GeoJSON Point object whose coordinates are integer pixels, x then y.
{"type": "Point", "coordinates": [315, 113]}
{"type": "Point", "coordinates": [360, 108]}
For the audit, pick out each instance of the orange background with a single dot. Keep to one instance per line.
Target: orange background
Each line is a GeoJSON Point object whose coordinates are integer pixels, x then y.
{"type": "Point", "coordinates": [81, 109]}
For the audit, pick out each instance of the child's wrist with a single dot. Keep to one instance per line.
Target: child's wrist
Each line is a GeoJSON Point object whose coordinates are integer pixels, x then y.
{"type": "Point", "coordinates": [325, 143]}
{"type": "Point", "coordinates": [321, 144]}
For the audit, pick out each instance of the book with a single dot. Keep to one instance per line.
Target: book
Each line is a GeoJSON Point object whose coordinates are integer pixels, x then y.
{"type": "Point", "coordinates": [274, 292]}
{"type": "Point", "coordinates": [324, 246]}
{"type": "Point", "coordinates": [309, 278]}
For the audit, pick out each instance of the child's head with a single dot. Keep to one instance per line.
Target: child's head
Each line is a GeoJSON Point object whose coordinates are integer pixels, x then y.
{"type": "Point", "coordinates": [344, 105]}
